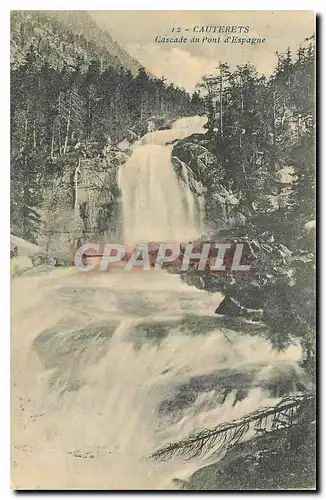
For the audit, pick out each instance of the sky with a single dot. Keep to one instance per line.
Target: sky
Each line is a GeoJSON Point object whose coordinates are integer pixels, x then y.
{"type": "Point", "coordinates": [185, 64]}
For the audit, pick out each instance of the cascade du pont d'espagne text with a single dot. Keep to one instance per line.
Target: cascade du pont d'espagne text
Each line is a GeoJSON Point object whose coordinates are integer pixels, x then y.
{"type": "Point", "coordinates": [211, 34]}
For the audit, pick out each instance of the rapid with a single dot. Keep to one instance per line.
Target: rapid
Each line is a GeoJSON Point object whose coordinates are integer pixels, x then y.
{"type": "Point", "coordinates": [107, 367]}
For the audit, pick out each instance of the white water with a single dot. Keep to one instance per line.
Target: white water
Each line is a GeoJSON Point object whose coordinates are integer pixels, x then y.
{"type": "Point", "coordinates": [95, 394]}
{"type": "Point", "coordinates": [156, 205]}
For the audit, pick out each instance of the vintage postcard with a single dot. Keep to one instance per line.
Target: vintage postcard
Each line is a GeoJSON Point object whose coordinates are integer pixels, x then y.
{"type": "Point", "coordinates": [163, 250]}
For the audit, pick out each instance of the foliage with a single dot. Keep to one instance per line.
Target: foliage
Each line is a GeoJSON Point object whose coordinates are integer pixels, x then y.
{"type": "Point", "coordinates": [288, 413]}
{"type": "Point", "coordinates": [257, 167]}
{"type": "Point", "coordinates": [75, 94]}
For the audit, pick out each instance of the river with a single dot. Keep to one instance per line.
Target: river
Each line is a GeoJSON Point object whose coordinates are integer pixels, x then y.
{"type": "Point", "coordinates": [106, 367]}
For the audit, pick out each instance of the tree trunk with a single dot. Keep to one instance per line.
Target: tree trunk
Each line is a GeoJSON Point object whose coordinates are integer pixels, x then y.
{"type": "Point", "coordinates": [77, 171]}
{"type": "Point", "coordinates": [221, 101]}
{"type": "Point", "coordinates": [34, 135]}
{"type": "Point", "coordinates": [68, 125]}
{"type": "Point", "coordinates": [274, 120]}
{"type": "Point", "coordinates": [243, 168]}
{"type": "Point", "coordinates": [52, 144]}
{"type": "Point", "coordinates": [26, 128]}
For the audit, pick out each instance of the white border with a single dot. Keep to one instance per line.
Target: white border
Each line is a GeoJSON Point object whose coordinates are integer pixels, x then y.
{"type": "Point", "coordinates": [166, 5]}
{"type": "Point", "coordinates": [317, 6]}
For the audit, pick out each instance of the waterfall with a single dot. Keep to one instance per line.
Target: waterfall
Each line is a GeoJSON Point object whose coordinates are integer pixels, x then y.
{"type": "Point", "coordinates": [109, 366]}
{"type": "Point", "coordinates": [157, 206]}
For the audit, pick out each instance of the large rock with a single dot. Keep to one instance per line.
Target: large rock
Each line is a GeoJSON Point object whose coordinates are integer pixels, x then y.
{"type": "Point", "coordinates": [197, 157]}
{"type": "Point", "coordinates": [279, 460]}
{"type": "Point", "coordinates": [232, 307]}
{"type": "Point", "coordinates": [21, 247]}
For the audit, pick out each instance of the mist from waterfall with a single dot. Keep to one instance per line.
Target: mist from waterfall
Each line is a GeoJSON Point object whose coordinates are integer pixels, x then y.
{"type": "Point", "coordinates": [156, 205]}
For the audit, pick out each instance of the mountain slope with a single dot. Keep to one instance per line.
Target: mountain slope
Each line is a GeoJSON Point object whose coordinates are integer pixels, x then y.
{"type": "Point", "coordinates": [64, 38]}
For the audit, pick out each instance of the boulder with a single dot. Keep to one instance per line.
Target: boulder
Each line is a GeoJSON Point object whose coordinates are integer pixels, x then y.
{"type": "Point", "coordinates": [231, 307]}
{"type": "Point", "coordinates": [21, 247]}
{"type": "Point", "coordinates": [272, 461]}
